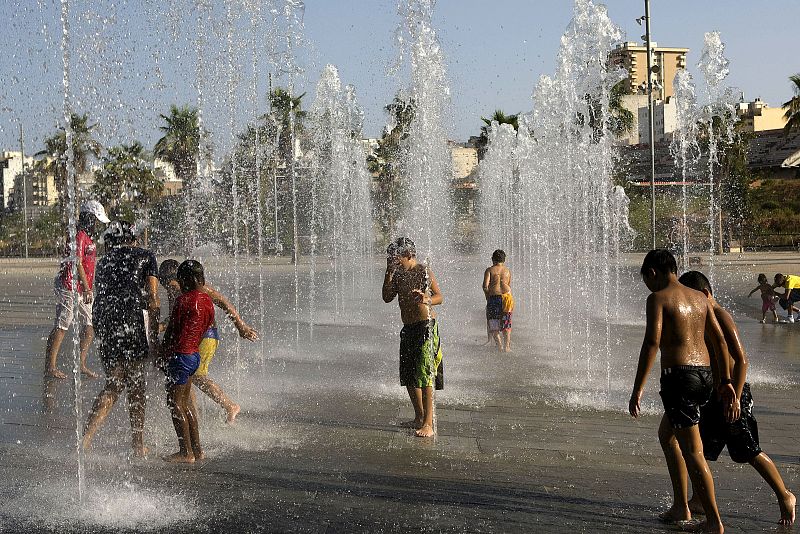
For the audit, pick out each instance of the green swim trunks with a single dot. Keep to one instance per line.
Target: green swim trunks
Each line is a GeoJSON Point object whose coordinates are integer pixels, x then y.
{"type": "Point", "coordinates": [421, 363]}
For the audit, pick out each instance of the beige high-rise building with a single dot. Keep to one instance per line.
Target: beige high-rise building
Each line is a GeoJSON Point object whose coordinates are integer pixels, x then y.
{"type": "Point", "coordinates": [465, 159]}
{"type": "Point", "coordinates": [633, 58]}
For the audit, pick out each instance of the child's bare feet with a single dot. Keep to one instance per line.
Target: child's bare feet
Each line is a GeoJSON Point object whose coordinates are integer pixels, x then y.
{"type": "Point", "coordinates": [413, 423]}
{"type": "Point", "coordinates": [425, 431]}
{"type": "Point", "coordinates": [55, 373]}
{"type": "Point", "coordinates": [787, 505]}
{"type": "Point", "coordinates": [180, 458]}
{"type": "Point", "coordinates": [88, 372]}
{"type": "Point", "coordinates": [140, 452]}
{"type": "Point", "coordinates": [676, 514]}
{"type": "Point", "coordinates": [704, 526]}
{"type": "Point", "coordinates": [232, 413]}
{"type": "Point", "coordinates": [199, 456]}
{"type": "Point", "coordinates": [696, 507]}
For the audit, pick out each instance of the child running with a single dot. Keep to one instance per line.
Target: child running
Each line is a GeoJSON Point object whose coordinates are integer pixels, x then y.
{"type": "Point", "coordinates": [167, 276]}
{"type": "Point", "coordinates": [678, 318]}
{"type": "Point", "coordinates": [191, 316]}
{"type": "Point", "coordinates": [740, 436]}
{"type": "Point", "coordinates": [421, 366]}
{"type": "Point", "coordinates": [768, 297]}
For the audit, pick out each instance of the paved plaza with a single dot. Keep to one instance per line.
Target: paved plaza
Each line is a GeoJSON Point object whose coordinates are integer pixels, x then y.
{"type": "Point", "coordinates": [527, 442]}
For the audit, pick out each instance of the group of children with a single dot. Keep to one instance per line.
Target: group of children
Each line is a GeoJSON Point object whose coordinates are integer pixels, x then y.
{"type": "Point", "coordinates": [125, 311]}
{"type": "Point", "coordinates": [791, 294]}
{"type": "Point", "coordinates": [707, 401]}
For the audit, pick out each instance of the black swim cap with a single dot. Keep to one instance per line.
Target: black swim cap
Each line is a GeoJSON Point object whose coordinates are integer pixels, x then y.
{"type": "Point", "coordinates": [119, 233]}
{"type": "Point", "coordinates": [403, 246]}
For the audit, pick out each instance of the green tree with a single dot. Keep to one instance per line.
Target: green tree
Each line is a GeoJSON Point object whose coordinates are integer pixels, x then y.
{"type": "Point", "coordinates": [386, 165]}
{"type": "Point", "coordinates": [180, 144]}
{"type": "Point", "coordinates": [500, 118]}
{"type": "Point", "coordinates": [621, 118]}
{"type": "Point", "coordinates": [792, 106]}
{"type": "Point", "coordinates": [125, 183]}
{"type": "Point", "coordinates": [84, 147]}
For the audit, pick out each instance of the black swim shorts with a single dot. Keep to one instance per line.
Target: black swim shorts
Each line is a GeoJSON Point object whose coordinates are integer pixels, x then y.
{"type": "Point", "coordinates": [741, 436]}
{"type": "Point", "coordinates": [684, 390]}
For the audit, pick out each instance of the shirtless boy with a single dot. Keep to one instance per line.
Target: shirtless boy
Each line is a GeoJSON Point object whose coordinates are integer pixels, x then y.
{"type": "Point", "coordinates": [421, 366]}
{"type": "Point", "coordinates": [740, 436]}
{"type": "Point", "coordinates": [678, 321]}
{"type": "Point", "coordinates": [499, 303]}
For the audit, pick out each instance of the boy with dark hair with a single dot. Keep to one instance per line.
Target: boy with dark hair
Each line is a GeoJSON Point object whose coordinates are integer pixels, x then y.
{"type": "Point", "coordinates": [499, 302]}
{"type": "Point", "coordinates": [677, 318]}
{"type": "Point", "coordinates": [421, 366]}
{"type": "Point", "coordinates": [191, 316]}
{"type": "Point", "coordinates": [125, 314]}
{"type": "Point", "coordinates": [167, 275]}
{"type": "Point", "coordinates": [740, 436]}
{"type": "Point", "coordinates": [63, 285]}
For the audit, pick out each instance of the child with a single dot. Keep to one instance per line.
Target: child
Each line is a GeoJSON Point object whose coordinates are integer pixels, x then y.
{"type": "Point", "coordinates": [499, 302]}
{"type": "Point", "coordinates": [191, 316]}
{"type": "Point", "coordinates": [677, 318]}
{"type": "Point", "coordinates": [167, 272]}
{"type": "Point", "coordinates": [768, 298]}
{"type": "Point", "coordinates": [740, 436]}
{"type": "Point", "coordinates": [791, 293]}
{"type": "Point", "coordinates": [86, 253]}
{"type": "Point", "coordinates": [421, 366]}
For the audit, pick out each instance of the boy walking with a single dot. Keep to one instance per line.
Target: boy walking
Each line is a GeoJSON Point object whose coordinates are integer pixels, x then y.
{"type": "Point", "coordinates": [740, 436]}
{"type": "Point", "coordinates": [677, 318]}
{"type": "Point", "coordinates": [499, 302]}
{"type": "Point", "coordinates": [421, 366]}
{"type": "Point", "coordinates": [167, 276]}
{"type": "Point", "coordinates": [791, 293]}
{"type": "Point", "coordinates": [192, 315]}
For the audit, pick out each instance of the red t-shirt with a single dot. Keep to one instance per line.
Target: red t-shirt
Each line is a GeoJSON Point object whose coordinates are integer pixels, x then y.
{"type": "Point", "coordinates": [191, 316]}
{"type": "Point", "coordinates": [87, 255]}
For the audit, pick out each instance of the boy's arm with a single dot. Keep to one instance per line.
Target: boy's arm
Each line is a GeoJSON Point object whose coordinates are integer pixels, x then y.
{"type": "Point", "coordinates": [245, 330]}
{"type": "Point", "coordinates": [389, 290]}
{"type": "Point", "coordinates": [436, 295]}
{"type": "Point", "coordinates": [736, 349]}
{"type": "Point", "coordinates": [753, 291]}
{"type": "Point", "coordinates": [84, 280]}
{"type": "Point", "coordinates": [723, 359]}
{"type": "Point", "coordinates": [153, 308]}
{"type": "Point", "coordinates": [648, 352]}
{"type": "Point", "coordinates": [486, 278]}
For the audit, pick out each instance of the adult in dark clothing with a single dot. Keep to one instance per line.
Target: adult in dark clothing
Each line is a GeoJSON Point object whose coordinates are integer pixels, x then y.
{"type": "Point", "coordinates": [125, 316]}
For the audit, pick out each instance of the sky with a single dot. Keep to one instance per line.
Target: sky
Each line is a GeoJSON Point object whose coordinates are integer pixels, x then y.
{"type": "Point", "coordinates": [131, 59]}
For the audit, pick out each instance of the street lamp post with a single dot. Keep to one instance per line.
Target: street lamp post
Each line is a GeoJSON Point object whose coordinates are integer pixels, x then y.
{"type": "Point", "coordinates": [650, 121]}
{"type": "Point", "coordinates": [24, 187]}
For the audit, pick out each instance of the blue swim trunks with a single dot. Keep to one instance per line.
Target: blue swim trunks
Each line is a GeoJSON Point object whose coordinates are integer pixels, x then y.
{"type": "Point", "coordinates": [181, 367]}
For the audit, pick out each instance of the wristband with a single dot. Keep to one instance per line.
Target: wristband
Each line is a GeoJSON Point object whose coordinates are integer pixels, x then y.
{"type": "Point", "coordinates": [725, 382]}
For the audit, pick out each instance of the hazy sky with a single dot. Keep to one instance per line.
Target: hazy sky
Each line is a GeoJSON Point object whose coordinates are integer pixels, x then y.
{"type": "Point", "coordinates": [495, 52]}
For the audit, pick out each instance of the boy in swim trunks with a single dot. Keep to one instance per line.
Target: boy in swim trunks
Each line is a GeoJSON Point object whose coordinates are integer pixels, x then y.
{"type": "Point", "coordinates": [191, 316]}
{"type": "Point", "coordinates": [740, 436]}
{"type": "Point", "coordinates": [167, 276]}
{"type": "Point", "coordinates": [677, 320]}
{"type": "Point", "coordinates": [499, 302]}
{"type": "Point", "coordinates": [421, 366]}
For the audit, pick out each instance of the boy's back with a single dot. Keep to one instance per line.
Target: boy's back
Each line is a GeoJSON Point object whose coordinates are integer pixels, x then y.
{"type": "Point", "coordinates": [499, 280]}
{"type": "Point", "coordinates": [683, 314]}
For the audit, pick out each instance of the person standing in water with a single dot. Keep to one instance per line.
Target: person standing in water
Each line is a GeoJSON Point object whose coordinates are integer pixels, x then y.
{"type": "Point", "coordinates": [679, 322]}
{"type": "Point", "coordinates": [126, 313]}
{"type": "Point", "coordinates": [499, 302]}
{"type": "Point", "coordinates": [421, 366]}
{"type": "Point", "coordinates": [86, 254]}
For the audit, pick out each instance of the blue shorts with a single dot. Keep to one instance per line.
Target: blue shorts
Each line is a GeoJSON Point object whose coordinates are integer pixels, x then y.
{"type": "Point", "coordinates": [181, 367]}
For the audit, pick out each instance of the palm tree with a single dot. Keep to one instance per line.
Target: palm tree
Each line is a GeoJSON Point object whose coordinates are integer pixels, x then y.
{"type": "Point", "coordinates": [500, 118]}
{"type": "Point", "coordinates": [126, 181]}
{"type": "Point", "coordinates": [84, 146]}
{"type": "Point", "coordinates": [792, 106]}
{"type": "Point", "coordinates": [180, 145]}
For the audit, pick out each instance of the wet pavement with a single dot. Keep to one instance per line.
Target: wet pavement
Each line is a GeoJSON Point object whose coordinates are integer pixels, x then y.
{"type": "Point", "coordinates": [527, 441]}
